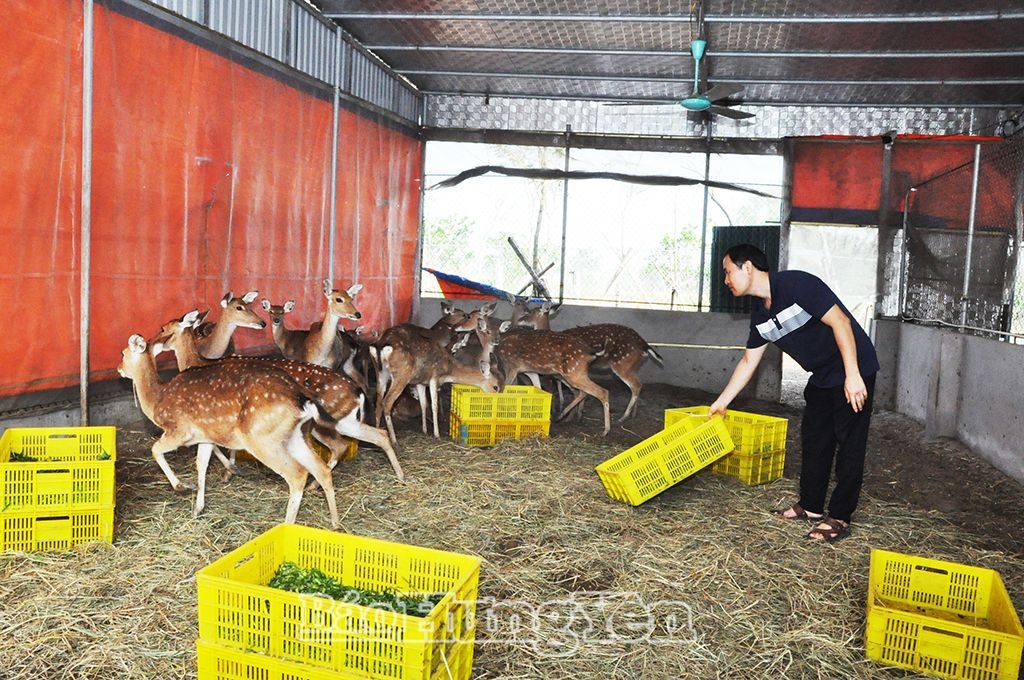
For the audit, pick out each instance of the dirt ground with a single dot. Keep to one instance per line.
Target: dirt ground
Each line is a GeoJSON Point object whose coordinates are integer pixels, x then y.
{"type": "Point", "coordinates": [902, 466]}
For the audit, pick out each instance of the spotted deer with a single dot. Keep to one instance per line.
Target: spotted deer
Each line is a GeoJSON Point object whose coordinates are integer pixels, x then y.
{"type": "Point", "coordinates": [237, 405]}
{"type": "Point", "coordinates": [288, 341]}
{"type": "Point", "coordinates": [625, 350]}
{"type": "Point", "coordinates": [551, 353]}
{"type": "Point", "coordinates": [408, 358]}
{"type": "Point", "coordinates": [236, 312]}
{"type": "Point", "coordinates": [339, 395]}
{"type": "Point", "coordinates": [441, 332]}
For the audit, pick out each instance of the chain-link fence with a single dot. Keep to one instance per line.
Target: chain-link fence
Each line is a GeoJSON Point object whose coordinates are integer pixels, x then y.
{"type": "Point", "coordinates": [962, 235]}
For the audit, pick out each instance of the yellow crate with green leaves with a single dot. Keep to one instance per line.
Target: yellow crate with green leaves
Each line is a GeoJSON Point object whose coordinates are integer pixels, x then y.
{"type": "Point", "coordinates": [664, 459]}
{"type": "Point", "coordinates": [265, 632]}
{"type": "Point", "coordinates": [941, 618]}
{"type": "Point", "coordinates": [481, 418]}
{"type": "Point", "coordinates": [760, 454]}
{"type": "Point", "coordinates": [57, 469]}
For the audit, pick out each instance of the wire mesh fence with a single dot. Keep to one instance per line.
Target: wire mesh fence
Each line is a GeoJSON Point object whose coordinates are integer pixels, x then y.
{"type": "Point", "coordinates": [597, 241]}
{"type": "Point", "coordinates": [962, 235]}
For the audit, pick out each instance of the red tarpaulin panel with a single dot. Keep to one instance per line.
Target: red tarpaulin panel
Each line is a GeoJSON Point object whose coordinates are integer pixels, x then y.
{"type": "Point", "coordinates": [838, 181]}
{"type": "Point", "coordinates": [207, 177]}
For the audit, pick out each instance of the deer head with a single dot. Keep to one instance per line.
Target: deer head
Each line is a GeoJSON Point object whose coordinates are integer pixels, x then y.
{"type": "Point", "coordinates": [341, 303]}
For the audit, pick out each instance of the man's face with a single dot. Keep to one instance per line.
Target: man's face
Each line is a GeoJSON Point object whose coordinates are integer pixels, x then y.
{"type": "Point", "coordinates": [737, 279]}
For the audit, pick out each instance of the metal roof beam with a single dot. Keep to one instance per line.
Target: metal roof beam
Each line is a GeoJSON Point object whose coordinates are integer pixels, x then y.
{"type": "Point", "coordinates": [864, 18]}
{"type": "Point", "coordinates": [477, 16]}
{"type": "Point", "coordinates": [711, 18]}
{"type": "Point", "coordinates": [742, 54]}
{"type": "Point", "coordinates": [750, 81]}
{"type": "Point", "coordinates": [749, 102]}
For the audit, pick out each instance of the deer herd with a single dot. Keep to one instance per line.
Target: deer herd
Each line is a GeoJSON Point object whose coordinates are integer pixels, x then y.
{"type": "Point", "coordinates": [316, 386]}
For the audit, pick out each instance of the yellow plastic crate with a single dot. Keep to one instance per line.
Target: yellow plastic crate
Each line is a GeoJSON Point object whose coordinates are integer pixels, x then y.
{"type": "Point", "coordinates": [32, 531]}
{"type": "Point", "coordinates": [278, 629]}
{"type": "Point", "coordinates": [479, 418]}
{"type": "Point", "coordinates": [751, 468]}
{"type": "Point", "coordinates": [658, 462]}
{"type": "Point", "coordinates": [217, 662]}
{"type": "Point", "coordinates": [73, 469]}
{"type": "Point", "coordinates": [941, 618]}
{"type": "Point", "coordinates": [751, 432]}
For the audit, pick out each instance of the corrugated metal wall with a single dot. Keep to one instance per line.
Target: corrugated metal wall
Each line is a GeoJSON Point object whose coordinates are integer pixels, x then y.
{"type": "Point", "coordinates": [207, 176]}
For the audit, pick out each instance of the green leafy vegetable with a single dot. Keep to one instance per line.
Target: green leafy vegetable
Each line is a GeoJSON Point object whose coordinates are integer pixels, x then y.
{"type": "Point", "coordinates": [22, 458]}
{"type": "Point", "coordinates": [103, 456]}
{"type": "Point", "coordinates": [293, 578]}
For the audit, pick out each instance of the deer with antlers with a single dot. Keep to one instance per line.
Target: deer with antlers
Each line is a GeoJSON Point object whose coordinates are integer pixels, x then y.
{"type": "Point", "coordinates": [234, 404]}
{"type": "Point", "coordinates": [236, 312]}
{"type": "Point", "coordinates": [408, 357]}
{"type": "Point", "coordinates": [625, 350]}
{"type": "Point", "coordinates": [339, 395]}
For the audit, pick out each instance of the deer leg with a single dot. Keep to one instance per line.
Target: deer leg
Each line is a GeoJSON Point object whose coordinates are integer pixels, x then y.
{"type": "Point", "coordinates": [588, 386]}
{"type": "Point", "coordinates": [160, 447]}
{"type": "Point", "coordinates": [421, 396]}
{"type": "Point", "coordinates": [203, 453]}
{"type": "Point", "coordinates": [299, 450]}
{"type": "Point", "coordinates": [228, 462]}
{"type": "Point", "coordinates": [634, 385]}
{"type": "Point", "coordinates": [394, 392]}
{"type": "Point", "coordinates": [350, 427]}
{"type": "Point", "coordinates": [433, 405]}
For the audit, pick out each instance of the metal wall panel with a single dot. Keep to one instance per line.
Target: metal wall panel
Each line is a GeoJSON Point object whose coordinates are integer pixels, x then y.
{"type": "Point", "coordinates": [313, 46]}
{"type": "Point", "coordinates": [195, 10]}
{"type": "Point", "coordinates": [262, 31]}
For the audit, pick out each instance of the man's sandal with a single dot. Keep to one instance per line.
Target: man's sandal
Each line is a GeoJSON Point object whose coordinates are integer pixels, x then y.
{"type": "Point", "coordinates": [829, 530]}
{"type": "Point", "coordinates": [796, 512]}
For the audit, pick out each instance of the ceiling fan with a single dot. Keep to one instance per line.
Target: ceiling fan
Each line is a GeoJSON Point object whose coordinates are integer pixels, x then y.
{"type": "Point", "coordinates": [712, 100]}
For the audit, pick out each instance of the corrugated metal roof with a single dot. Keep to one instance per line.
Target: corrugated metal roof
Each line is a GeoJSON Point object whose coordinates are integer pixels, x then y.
{"type": "Point", "coordinates": [964, 53]}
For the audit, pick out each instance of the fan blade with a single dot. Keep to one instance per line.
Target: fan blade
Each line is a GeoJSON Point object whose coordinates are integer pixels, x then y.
{"type": "Point", "coordinates": [723, 90]}
{"type": "Point", "coordinates": [730, 113]}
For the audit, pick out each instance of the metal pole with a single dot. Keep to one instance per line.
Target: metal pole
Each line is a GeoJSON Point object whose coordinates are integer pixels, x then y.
{"type": "Point", "coordinates": [332, 229]}
{"type": "Point", "coordinates": [565, 213]}
{"type": "Point", "coordinates": [86, 202]}
{"type": "Point", "coordinates": [905, 254]}
{"type": "Point", "coordinates": [970, 235]}
{"type": "Point", "coordinates": [704, 217]}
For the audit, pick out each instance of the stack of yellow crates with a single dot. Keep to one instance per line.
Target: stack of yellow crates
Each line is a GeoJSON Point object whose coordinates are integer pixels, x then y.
{"type": "Point", "coordinates": [249, 630]}
{"type": "Point", "coordinates": [480, 418]}
{"type": "Point", "coordinates": [56, 487]}
{"type": "Point", "coordinates": [760, 454]}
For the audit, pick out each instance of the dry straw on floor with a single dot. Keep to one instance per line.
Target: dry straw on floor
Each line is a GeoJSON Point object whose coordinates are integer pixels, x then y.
{"type": "Point", "coordinates": [700, 582]}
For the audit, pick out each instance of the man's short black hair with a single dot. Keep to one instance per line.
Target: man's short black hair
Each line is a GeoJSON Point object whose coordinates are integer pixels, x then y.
{"type": "Point", "coordinates": [744, 252]}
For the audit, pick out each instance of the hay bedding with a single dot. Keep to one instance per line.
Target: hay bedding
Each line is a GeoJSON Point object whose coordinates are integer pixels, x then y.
{"type": "Point", "coordinates": [753, 598]}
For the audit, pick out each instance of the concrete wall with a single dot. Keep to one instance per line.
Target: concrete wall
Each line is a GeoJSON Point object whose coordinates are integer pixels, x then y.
{"type": "Point", "coordinates": [700, 349]}
{"type": "Point", "coordinates": [963, 387]}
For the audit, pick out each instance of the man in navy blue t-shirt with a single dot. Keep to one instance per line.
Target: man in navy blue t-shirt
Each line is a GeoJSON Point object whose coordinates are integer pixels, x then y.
{"type": "Point", "coordinates": [805, 319]}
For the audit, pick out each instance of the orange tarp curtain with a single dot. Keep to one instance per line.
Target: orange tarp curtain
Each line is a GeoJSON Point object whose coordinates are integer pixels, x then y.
{"type": "Point", "coordinates": [207, 176]}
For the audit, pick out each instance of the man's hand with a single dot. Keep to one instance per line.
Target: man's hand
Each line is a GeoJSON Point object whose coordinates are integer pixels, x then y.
{"type": "Point", "coordinates": [856, 392]}
{"type": "Point", "coordinates": [717, 408]}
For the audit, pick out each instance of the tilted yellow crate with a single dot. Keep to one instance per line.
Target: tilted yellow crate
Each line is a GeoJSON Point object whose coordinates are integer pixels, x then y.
{"type": "Point", "coordinates": [480, 418]}
{"type": "Point", "coordinates": [664, 459]}
{"type": "Point", "coordinates": [941, 618]}
{"type": "Point", "coordinates": [760, 454]}
{"type": "Point", "coordinates": [278, 631]}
